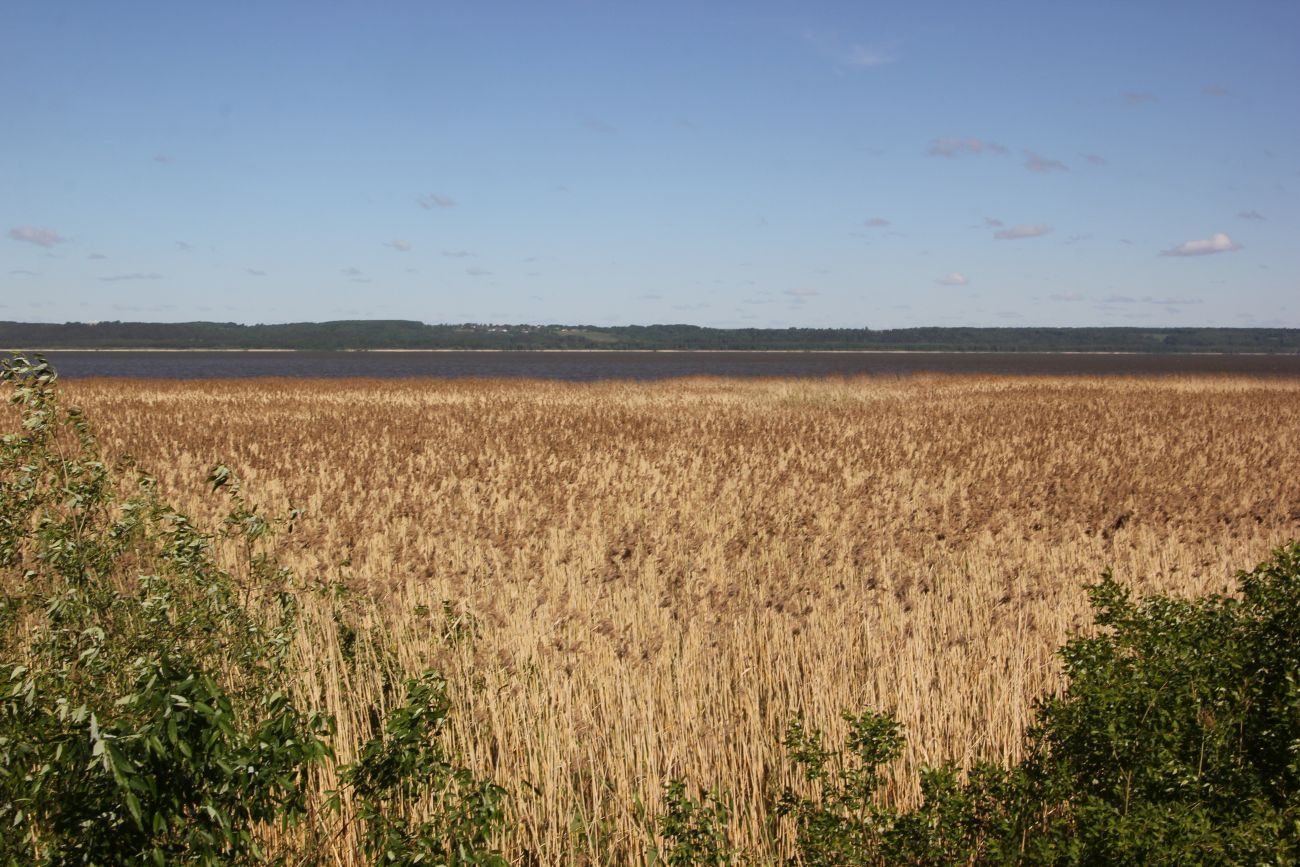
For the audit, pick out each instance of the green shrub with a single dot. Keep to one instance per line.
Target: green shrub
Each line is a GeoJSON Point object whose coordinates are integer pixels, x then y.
{"type": "Point", "coordinates": [1177, 741]}
{"type": "Point", "coordinates": [407, 765]}
{"type": "Point", "coordinates": [694, 830]}
{"type": "Point", "coordinates": [148, 713]}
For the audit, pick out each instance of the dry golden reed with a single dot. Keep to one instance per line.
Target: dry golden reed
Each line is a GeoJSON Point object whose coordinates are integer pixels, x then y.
{"type": "Point", "coordinates": [664, 574]}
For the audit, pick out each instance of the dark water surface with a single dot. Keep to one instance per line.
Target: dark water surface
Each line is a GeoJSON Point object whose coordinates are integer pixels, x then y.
{"type": "Point", "coordinates": [585, 366]}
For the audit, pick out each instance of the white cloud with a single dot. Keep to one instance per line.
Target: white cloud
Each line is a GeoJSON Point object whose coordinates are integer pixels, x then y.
{"type": "Point", "coordinates": [138, 275]}
{"type": "Point", "coordinates": [1151, 299]}
{"type": "Point", "coordinates": [434, 200]}
{"type": "Point", "coordinates": [1217, 243]}
{"type": "Point", "coordinates": [39, 237]}
{"type": "Point", "coordinates": [956, 278]}
{"type": "Point", "coordinates": [1039, 163]}
{"type": "Point", "coordinates": [952, 147]}
{"type": "Point", "coordinates": [596, 125]}
{"type": "Point", "coordinates": [399, 245]}
{"type": "Point", "coordinates": [1015, 233]}
{"type": "Point", "coordinates": [863, 55]}
{"type": "Point", "coordinates": [857, 55]}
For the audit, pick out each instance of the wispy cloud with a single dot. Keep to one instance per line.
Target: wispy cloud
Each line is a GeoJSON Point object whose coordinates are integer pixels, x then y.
{"type": "Point", "coordinates": [1139, 97]}
{"type": "Point", "coordinates": [435, 200]}
{"type": "Point", "coordinates": [1251, 215]}
{"type": "Point", "coordinates": [595, 124]}
{"type": "Point", "coordinates": [1217, 243]}
{"type": "Point", "coordinates": [136, 275]}
{"type": "Point", "coordinates": [1015, 233]}
{"type": "Point", "coordinates": [399, 245]}
{"type": "Point", "coordinates": [23, 272]}
{"type": "Point", "coordinates": [993, 222]}
{"type": "Point", "coordinates": [96, 256]}
{"type": "Point", "coordinates": [350, 272]}
{"type": "Point", "coordinates": [37, 236]}
{"type": "Point", "coordinates": [1039, 163]}
{"type": "Point", "coordinates": [948, 146]}
{"type": "Point", "coordinates": [852, 54]}
{"type": "Point", "coordinates": [1095, 159]}
{"type": "Point", "coordinates": [876, 222]}
{"type": "Point", "coordinates": [477, 272]}
{"type": "Point", "coordinates": [1172, 300]}
{"type": "Point", "coordinates": [184, 247]}
{"type": "Point", "coordinates": [956, 278]}
{"type": "Point", "coordinates": [164, 159]}
{"type": "Point", "coordinates": [1068, 297]}
{"type": "Point", "coordinates": [867, 55]}
{"type": "Point", "coordinates": [801, 294]}
{"type": "Point", "coordinates": [254, 272]}
{"type": "Point", "coordinates": [1214, 90]}
{"type": "Point", "coordinates": [1119, 299]}
{"type": "Point", "coordinates": [457, 254]}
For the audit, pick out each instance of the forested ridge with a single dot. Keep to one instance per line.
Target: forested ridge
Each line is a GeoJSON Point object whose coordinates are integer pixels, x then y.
{"type": "Point", "coordinates": [408, 334]}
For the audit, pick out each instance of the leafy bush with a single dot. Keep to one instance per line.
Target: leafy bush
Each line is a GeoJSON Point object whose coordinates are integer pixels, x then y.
{"type": "Point", "coordinates": [694, 830]}
{"type": "Point", "coordinates": [1177, 741]}
{"type": "Point", "coordinates": [148, 713]}
{"type": "Point", "coordinates": [406, 765]}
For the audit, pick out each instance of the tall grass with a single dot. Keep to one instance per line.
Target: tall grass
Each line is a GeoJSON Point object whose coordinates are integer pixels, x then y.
{"type": "Point", "coordinates": [648, 581]}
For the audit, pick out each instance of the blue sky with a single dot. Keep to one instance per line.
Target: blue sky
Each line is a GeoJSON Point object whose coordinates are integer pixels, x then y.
{"type": "Point", "coordinates": [729, 164]}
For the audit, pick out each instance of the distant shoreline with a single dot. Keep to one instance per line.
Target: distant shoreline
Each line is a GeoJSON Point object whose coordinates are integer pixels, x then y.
{"type": "Point", "coordinates": [405, 336]}
{"type": "Point", "coordinates": [589, 351]}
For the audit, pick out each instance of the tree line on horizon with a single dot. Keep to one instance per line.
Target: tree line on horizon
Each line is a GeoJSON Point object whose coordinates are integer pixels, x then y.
{"type": "Point", "coordinates": [409, 334]}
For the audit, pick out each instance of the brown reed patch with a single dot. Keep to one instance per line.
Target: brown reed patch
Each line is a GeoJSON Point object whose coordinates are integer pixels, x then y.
{"type": "Point", "coordinates": [661, 575]}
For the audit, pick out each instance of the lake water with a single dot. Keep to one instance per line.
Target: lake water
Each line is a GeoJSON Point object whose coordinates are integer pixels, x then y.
{"type": "Point", "coordinates": [586, 366]}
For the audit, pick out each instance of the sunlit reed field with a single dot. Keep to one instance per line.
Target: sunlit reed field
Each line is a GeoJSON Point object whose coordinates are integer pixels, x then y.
{"type": "Point", "coordinates": [648, 581]}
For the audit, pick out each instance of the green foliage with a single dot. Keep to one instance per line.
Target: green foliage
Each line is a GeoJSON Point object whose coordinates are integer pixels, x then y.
{"type": "Point", "coordinates": [694, 830]}
{"type": "Point", "coordinates": [405, 767]}
{"type": "Point", "coordinates": [843, 824]}
{"type": "Point", "coordinates": [144, 710]}
{"type": "Point", "coordinates": [1177, 741]}
{"type": "Point", "coordinates": [147, 707]}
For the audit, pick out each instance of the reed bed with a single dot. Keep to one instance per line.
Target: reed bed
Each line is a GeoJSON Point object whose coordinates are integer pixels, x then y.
{"type": "Point", "coordinates": [647, 581]}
